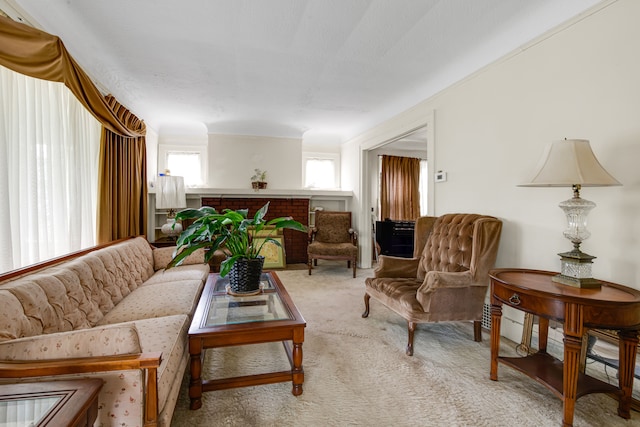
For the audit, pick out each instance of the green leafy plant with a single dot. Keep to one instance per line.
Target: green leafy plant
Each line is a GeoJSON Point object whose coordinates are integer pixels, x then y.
{"type": "Point", "coordinates": [259, 176]}
{"type": "Point", "coordinates": [231, 230]}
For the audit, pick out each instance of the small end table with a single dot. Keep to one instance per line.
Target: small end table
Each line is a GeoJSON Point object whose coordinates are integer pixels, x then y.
{"type": "Point", "coordinates": [612, 306]}
{"type": "Point", "coordinates": [51, 403]}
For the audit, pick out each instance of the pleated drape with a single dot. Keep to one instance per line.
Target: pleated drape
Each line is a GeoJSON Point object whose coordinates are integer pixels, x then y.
{"type": "Point", "coordinates": [400, 188]}
{"type": "Point", "coordinates": [122, 191]}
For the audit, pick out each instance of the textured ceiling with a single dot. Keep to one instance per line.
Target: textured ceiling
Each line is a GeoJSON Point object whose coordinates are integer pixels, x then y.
{"type": "Point", "coordinates": [286, 67]}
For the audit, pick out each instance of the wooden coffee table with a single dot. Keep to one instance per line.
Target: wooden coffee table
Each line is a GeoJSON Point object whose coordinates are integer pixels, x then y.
{"type": "Point", "coordinates": [223, 320]}
{"type": "Point", "coordinates": [50, 403]}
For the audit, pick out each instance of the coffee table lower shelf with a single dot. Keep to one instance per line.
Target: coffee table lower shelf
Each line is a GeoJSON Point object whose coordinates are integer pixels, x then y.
{"type": "Point", "coordinates": [251, 380]}
{"type": "Point", "coordinates": [548, 371]}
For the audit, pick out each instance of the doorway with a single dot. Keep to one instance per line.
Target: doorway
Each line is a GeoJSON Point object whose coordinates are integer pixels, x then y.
{"type": "Point", "coordinates": [418, 132]}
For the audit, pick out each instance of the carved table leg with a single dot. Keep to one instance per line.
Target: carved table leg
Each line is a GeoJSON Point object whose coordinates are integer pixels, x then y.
{"type": "Point", "coordinates": [573, 331]}
{"type": "Point", "coordinates": [496, 317]}
{"type": "Point", "coordinates": [543, 334]}
{"type": "Point", "coordinates": [297, 371]}
{"type": "Point", "coordinates": [195, 383]}
{"type": "Point", "coordinates": [627, 356]}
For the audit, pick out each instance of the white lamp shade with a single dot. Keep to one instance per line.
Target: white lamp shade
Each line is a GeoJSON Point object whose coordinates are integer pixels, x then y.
{"type": "Point", "coordinates": [569, 162]}
{"type": "Point", "coordinates": [170, 192]}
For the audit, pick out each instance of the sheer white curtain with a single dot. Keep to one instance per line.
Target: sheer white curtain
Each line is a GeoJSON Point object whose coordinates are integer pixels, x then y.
{"type": "Point", "coordinates": [48, 171]}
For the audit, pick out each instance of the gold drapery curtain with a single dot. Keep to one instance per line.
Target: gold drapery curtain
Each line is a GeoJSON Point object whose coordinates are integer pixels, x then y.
{"type": "Point", "coordinates": [400, 188]}
{"type": "Point", "coordinates": [122, 191]}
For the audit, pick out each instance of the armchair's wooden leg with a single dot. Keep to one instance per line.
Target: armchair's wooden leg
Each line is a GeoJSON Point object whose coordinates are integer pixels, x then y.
{"type": "Point", "coordinates": [354, 268]}
{"type": "Point", "coordinates": [367, 297]}
{"type": "Point", "coordinates": [348, 263]}
{"type": "Point", "coordinates": [309, 264]}
{"type": "Point", "coordinates": [477, 331]}
{"type": "Point", "coordinates": [411, 329]}
{"type": "Point", "coordinates": [315, 262]}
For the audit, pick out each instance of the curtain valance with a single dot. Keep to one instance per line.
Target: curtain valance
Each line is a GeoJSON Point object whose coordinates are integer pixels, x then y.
{"type": "Point", "coordinates": [35, 53]}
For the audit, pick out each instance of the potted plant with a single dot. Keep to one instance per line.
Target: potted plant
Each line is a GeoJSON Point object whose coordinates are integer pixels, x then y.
{"type": "Point", "coordinates": [258, 180]}
{"type": "Point", "coordinates": [234, 232]}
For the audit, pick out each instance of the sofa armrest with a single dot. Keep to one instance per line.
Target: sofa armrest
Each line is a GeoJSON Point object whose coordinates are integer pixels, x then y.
{"type": "Point", "coordinates": [149, 362]}
{"type": "Point", "coordinates": [391, 266]}
{"type": "Point", "coordinates": [162, 257]}
{"type": "Point", "coordinates": [105, 340]}
{"type": "Point", "coordinates": [79, 365]}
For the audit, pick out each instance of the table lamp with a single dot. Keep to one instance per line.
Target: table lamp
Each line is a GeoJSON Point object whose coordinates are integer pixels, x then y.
{"type": "Point", "coordinates": [170, 195]}
{"type": "Point", "coordinates": [571, 163]}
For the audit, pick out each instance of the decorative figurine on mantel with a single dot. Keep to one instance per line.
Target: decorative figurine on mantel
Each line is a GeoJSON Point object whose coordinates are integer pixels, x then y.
{"type": "Point", "coordinates": [258, 180]}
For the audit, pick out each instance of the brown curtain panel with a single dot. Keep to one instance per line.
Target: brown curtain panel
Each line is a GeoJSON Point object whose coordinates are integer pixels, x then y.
{"type": "Point", "coordinates": [122, 191]}
{"type": "Point", "coordinates": [122, 188]}
{"type": "Point", "coordinates": [399, 188]}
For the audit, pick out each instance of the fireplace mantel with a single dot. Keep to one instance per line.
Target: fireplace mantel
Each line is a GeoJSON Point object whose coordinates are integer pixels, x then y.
{"type": "Point", "coordinates": [267, 193]}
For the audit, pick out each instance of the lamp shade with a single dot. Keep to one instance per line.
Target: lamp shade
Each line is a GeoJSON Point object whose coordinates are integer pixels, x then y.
{"type": "Point", "coordinates": [570, 162]}
{"type": "Point", "coordinates": [170, 192]}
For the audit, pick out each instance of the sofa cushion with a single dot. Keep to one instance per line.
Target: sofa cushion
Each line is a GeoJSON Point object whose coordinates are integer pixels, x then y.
{"type": "Point", "coordinates": [156, 300]}
{"type": "Point", "coordinates": [183, 272]}
{"type": "Point", "coordinates": [168, 335]}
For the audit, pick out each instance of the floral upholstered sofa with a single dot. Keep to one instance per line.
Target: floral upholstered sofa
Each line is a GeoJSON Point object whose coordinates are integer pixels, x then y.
{"type": "Point", "coordinates": [110, 312]}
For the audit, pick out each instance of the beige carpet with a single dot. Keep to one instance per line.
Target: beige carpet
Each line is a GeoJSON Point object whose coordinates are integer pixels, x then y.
{"type": "Point", "coordinates": [357, 374]}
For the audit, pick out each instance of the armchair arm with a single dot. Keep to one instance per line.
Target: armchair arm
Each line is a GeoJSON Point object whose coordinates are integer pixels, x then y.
{"type": "Point", "coordinates": [391, 266]}
{"type": "Point", "coordinates": [354, 236]}
{"type": "Point", "coordinates": [311, 232]}
{"type": "Point", "coordinates": [445, 279]}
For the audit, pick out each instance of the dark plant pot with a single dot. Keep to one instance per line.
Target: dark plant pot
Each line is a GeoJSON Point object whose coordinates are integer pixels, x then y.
{"type": "Point", "coordinates": [244, 276]}
{"type": "Point", "coordinates": [259, 185]}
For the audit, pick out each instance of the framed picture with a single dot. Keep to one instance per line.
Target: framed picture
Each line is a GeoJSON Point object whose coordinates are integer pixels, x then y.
{"type": "Point", "coordinates": [272, 253]}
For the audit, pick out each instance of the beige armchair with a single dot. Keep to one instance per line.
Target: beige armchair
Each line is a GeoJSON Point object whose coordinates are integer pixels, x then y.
{"type": "Point", "coordinates": [333, 238]}
{"type": "Point", "coordinates": [448, 281]}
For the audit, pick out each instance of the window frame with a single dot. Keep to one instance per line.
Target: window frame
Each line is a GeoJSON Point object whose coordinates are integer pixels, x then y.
{"type": "Point", "coordinates": [311, 155]}
{"type": "Point", "coordinates": [165, 149]}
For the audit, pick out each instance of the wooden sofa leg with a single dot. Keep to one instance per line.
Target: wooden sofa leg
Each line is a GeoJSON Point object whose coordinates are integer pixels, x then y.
{"type": "Point", "coordinates": [310, 266]}
{"type": "Point", "coordinates": [411, 328]}
{"type": "Point", "coordinates": [367, 297]}
{"type": "Point", "coordinates": [477, 331]}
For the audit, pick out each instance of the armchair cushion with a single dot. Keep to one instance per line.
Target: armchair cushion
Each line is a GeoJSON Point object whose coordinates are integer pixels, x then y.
{"type": "Point", "coordinates": [337, 249]}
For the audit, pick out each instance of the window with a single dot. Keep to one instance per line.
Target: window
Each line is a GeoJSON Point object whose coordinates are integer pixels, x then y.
{"type": "Point", "coordinates": [49, 146]}
{"type": "Point", "coordinates": [185, 161]}
{"type": "Point", "coordinates": [321, 170]}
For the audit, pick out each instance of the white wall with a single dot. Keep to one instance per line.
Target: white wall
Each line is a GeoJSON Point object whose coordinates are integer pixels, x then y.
{"type": "Point", "coordinates": [233, 158]}
{"type": "Point", "coordinates": [491, 129]}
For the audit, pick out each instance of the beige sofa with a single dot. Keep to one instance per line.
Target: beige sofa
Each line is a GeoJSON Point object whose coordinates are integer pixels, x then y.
{"type": "Point", "coordinates": [111, 312]}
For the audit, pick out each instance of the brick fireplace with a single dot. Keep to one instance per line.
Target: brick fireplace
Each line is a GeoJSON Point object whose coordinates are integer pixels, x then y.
{"type": "Point", "coordinates": [295, 242]}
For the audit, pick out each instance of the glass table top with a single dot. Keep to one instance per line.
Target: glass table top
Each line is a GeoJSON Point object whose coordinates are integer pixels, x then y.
{"type": "Point", "coordinates": [26, 411]}
{"type": "Point", "coordinates": [226, 309]}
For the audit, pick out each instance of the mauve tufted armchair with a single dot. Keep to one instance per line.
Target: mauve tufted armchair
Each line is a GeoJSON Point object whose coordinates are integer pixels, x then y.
{"type": "Point", "coordinates": [448, 281]}
{"type": "Point", "coordinates": [333, 238]}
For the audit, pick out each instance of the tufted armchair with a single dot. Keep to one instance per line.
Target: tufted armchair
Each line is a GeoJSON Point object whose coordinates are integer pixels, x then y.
{"type": "Point", "coordinates": [333, 238]}
{"type": "Point", "coordinates": [447, 281]}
